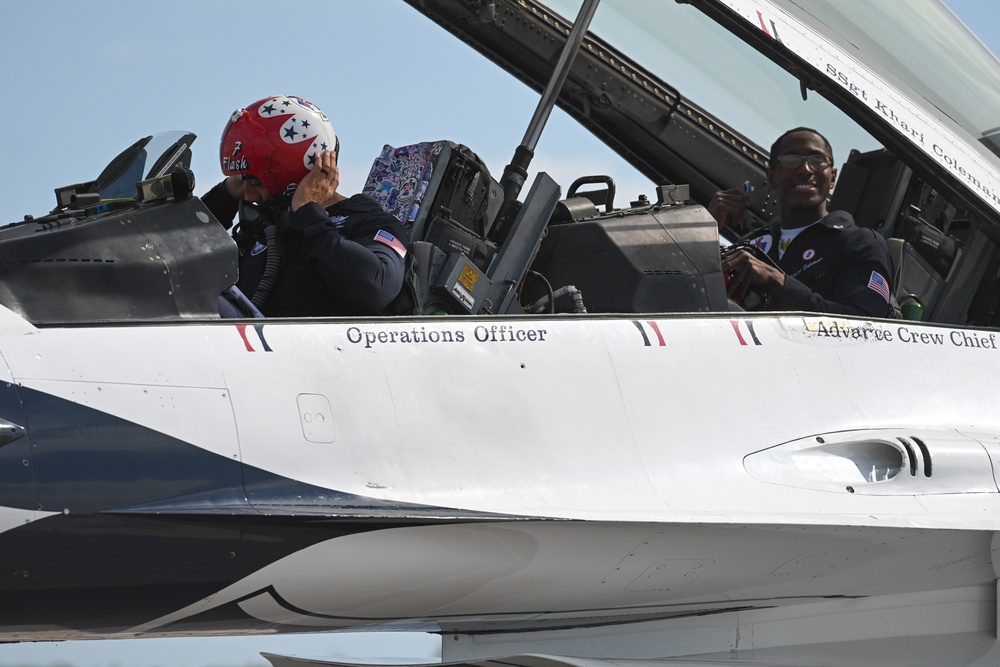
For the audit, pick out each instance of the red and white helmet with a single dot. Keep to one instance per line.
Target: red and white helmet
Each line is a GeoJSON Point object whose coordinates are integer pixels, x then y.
{"type": "Point", "coordinates": [276, 140]}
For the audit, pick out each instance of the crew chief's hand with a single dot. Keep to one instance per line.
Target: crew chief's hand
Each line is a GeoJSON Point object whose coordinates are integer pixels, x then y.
{"type": "Point", "coordinates": [728, 206]}
{"type": "Point", "coordinates": [745, 271]}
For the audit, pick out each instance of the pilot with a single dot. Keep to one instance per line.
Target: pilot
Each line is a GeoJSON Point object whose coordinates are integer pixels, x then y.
{"type": "Point", "coordinates": [305, 249]}
{"type": "Point", "coordinates": [821, 260]}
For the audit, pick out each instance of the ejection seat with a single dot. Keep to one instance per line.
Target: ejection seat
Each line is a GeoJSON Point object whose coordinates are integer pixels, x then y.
{"type": "Point", "coordinates": [447, 201]}
{"type": "Point", "coordinates": [873, 187]}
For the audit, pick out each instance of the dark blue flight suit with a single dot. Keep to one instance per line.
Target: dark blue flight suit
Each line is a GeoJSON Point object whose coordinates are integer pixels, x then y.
{"type": "Point", "coordinates": [345, 260]}
{"type": "Point", "coordinates": [833, 266]}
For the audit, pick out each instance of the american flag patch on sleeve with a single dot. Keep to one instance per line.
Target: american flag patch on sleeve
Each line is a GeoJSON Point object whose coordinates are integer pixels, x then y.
{"type": "Point", "coordinates": [878, 283]}
{"type": "Point", "coordinates": [385, 237]}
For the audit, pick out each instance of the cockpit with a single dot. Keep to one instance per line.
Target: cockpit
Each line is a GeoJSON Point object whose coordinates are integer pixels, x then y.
{"type": "Point", "coordinates": [137, 244]}
{"type": "Point", "coordinates": [110, 252]}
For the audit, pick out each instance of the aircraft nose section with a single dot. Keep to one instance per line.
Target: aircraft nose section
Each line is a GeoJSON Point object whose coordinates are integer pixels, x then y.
{"type": "Point", "coordinates": [17, 486]}
{"type": "Point", "coordinates": [9, 432]}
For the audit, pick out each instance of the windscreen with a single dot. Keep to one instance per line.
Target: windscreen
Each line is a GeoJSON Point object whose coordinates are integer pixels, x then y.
{"type": "Point", "coordinates": [708, 66]}
{"type": "Point", "coordinates": [924, 45]}
{"type": "Point", "coordinates": [920, 43]}
{"type": "Point", "coordinates": [148, 157]}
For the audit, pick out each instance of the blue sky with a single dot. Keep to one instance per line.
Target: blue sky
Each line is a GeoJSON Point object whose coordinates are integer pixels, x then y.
{"type": "Point", "coordinates": [85, 79]}
{"type": "Point", "coordinates": [89, 84]}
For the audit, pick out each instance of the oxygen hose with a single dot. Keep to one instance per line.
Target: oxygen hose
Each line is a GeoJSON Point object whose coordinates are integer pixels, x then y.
{"type": "Point", "coordinates": [270, 267]}
{"type": "Point", "coordinates": [577, 295]}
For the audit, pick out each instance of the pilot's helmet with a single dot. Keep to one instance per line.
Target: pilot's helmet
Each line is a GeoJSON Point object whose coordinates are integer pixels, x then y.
{"type": "Point", "coordinates": [276, 140]}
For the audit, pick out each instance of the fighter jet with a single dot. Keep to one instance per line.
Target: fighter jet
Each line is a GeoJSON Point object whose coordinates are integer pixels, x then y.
{"type": "Point", "coordinates": [568, 446]}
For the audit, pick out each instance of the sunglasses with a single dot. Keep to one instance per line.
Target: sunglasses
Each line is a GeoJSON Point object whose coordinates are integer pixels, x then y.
{"type": "Point", "coordinates": [816, 161]}
{"type": "Point", "coordinates": [252, 180]}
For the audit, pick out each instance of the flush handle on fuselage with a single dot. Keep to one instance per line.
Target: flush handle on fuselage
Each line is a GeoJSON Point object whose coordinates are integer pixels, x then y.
{"type": "Point", "coordinates": [9, 432]}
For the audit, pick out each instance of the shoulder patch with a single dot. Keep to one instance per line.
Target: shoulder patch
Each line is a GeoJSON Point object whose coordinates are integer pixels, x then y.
{"type": "Point", "coordinates": [879, 284]}
{"type": "Point", "coordinates": [385, 237]}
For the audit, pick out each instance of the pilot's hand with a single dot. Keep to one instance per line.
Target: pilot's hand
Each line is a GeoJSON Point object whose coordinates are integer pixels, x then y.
{"type": "Point", "coordinates": [234, 186]}
{"type": "Point", "coordinates": [746, 271]}
{"type": "Point", "coordinates": [728, 206]}
{"type": "Point", "coordinates": [320, 184]}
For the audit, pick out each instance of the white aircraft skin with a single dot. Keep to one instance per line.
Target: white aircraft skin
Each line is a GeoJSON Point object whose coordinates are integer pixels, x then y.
{"type": "Point", "coordinates": [596, 419]}
{"type": "Point", "coordinates": [627, 468]}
